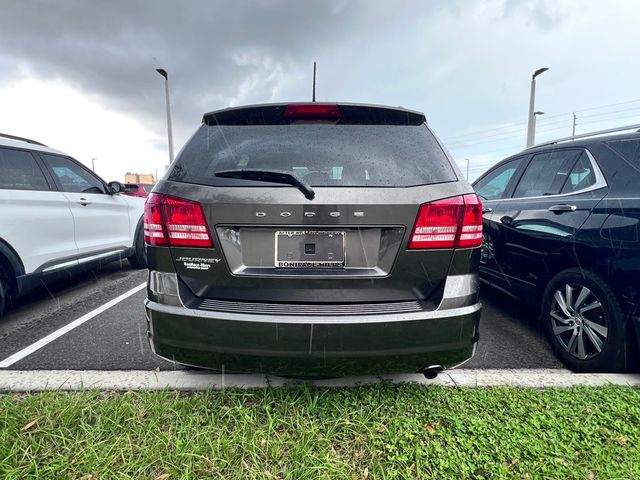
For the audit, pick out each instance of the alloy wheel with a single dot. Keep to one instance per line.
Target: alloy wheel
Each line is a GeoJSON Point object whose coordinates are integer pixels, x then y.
{"type": "Point", "coordinates": [579, 321]}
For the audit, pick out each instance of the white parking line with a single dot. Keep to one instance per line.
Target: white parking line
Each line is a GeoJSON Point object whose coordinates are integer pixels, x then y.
{"type": "Point", "coordinates": [76, 380]}
{"type": "Point", "coordinates": [34, 347]}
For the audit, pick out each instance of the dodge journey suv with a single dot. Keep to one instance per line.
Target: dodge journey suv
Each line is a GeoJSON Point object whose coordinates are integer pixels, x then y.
{"type": "Point", "coordinates": [314, 240]}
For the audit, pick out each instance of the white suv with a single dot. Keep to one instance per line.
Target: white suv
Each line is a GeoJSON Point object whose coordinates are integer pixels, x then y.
{"type": "Point", "coordinates": [57, 215]}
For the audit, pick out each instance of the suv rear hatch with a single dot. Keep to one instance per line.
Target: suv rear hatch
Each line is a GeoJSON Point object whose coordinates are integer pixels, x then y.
{"type": "Point", "coordinates": [335, 227]}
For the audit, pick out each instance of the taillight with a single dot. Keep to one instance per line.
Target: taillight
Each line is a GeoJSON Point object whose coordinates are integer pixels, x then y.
{"type": "Point", "coordinates": [154, 231]}
{"type": "Point", "coordinates": [437, 224]}
{"type": "Point", "coordinates": [312, 111]}
{"type": "Point", "coordinates": [471, 225]}
{"type": "Point", "coordinates": [452, 222]}
{"type": "Point", "coordinates": [175, 222]}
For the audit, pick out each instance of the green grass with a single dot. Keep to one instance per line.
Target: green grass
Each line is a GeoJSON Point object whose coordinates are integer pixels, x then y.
{"type": "Point", "coordinates": [379, 431]}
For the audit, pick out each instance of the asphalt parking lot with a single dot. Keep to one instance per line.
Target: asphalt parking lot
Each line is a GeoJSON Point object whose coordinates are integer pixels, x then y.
{"type": "Point", "coordinates": [116, 340]}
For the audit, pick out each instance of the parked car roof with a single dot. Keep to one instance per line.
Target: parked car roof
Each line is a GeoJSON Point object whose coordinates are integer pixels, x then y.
{"type": "Point", "coordinates": [8, 141]}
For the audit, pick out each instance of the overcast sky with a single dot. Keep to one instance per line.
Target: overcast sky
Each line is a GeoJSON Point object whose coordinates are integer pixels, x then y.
{"type": "Point", "coordinates": [79, 76]}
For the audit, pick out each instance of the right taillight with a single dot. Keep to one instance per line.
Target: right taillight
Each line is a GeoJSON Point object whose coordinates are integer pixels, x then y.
{"type": "Point", "coordinates": [449, 223]}
{"type": "Point", "coordinates": [471, 225]}
{"type": "Point", "coordinates": [176, 222]}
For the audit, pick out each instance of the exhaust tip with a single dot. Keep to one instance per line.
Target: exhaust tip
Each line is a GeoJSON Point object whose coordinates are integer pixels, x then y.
{"type": "Point", "coordinates": [432, 371]}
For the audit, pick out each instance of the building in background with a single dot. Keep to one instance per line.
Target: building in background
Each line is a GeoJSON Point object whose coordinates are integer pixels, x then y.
{"type": "Point", "coordinates": [141, 178]}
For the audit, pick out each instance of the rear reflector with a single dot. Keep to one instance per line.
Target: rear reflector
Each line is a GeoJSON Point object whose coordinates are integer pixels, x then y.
{"type": "Point", "coordinates": [312, 111]}
{"type": "Point", "coordinates": [175, 222]}
{"type": "Point", "coordinates": [452, 222]}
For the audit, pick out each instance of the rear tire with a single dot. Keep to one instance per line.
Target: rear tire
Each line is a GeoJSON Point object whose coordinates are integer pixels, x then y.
{"type": "Point", "coordinates": [584, 322]}
{"type": "Point", "coordinates": [139, 258]}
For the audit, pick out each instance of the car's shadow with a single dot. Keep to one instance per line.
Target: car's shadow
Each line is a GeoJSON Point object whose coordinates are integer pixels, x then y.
{"type": "Point", "coordinates": [53, 290]}
{"type": "Point", "coordinates": [510, 335]}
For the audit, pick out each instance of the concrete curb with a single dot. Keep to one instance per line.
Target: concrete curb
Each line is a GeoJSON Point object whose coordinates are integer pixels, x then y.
{"type": "Point", "coordinates": [121, 380]}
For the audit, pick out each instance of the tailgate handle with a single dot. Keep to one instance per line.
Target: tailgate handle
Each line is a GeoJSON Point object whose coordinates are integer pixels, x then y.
{"type": "Point", "coordinates": [562, 208]}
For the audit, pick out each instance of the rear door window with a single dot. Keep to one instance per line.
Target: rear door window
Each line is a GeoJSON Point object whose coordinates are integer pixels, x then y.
{"type": "Point", "coordinates": [493, 185]}
{"type": "Point", "coordinates": [20, 171]}
{"type": "Point", "coordinates": [546, 173]}
{"type": "Point", "coordinates": [319, 154]}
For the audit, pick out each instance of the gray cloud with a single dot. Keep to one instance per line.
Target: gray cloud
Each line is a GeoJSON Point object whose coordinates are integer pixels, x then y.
{"type": "Point", "coordinates": [218, 53]}
{"type": "Point", "coordinates": [466, 63]}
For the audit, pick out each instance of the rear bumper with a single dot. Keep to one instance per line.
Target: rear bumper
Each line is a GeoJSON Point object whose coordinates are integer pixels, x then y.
{"type": "Point", "coordinates": [316, 345]}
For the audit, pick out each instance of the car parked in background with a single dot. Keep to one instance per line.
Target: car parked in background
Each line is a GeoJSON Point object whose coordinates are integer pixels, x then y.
{"type": "Point", "coordinates": [562, 233]}
{"type": "Point", "coordinates": [56, 215]}
{"type": "Point", "coordinates": [141, 190]}
{"type": "Point", "coordinates": [313, 240]}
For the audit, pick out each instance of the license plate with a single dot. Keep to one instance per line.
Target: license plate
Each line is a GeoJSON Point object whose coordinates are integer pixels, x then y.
{"type": "Point", "coordinates": [309, 249]}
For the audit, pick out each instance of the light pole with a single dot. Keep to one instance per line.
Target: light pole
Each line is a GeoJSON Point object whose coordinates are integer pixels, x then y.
{"type": "Point", "coordinates": [531, 127]}
{"type": "Point", "coordinates": [93, 164]}
{"type": "Point", "coordinates": [467, 168]}
{"type": "Point", "coordinates": [164, 73]}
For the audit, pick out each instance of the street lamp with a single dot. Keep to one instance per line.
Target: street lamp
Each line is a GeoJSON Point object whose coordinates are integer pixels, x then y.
{"type": "Point", "coordinates": [164, 73]}
{"type": "Point", "coordinates": [93, 164]}
{"type": "Point", "coordinates": [531, 127]}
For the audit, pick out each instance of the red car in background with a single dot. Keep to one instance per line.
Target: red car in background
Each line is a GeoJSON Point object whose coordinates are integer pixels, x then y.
{"type": "Point", "coordinates": [138, 189]}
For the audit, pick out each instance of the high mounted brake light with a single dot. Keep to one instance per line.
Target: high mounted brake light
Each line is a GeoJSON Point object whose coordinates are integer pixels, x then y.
{"type": "Point", "coordinates": [449, 223]}
{"type": "Point", "coordinates": [312, 111]}
{"type": "Point", "coordinates": [171, 221]}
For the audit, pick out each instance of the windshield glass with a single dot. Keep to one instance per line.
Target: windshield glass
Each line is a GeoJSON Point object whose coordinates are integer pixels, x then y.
{"type": "Point", "coordinates": [318, 154]}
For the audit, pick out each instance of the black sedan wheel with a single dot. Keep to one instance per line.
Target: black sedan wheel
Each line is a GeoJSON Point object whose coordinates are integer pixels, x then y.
{"type": "Point", "coordinates": [579, 321]}
{"type": "Point", "coordinates": [584, 322]}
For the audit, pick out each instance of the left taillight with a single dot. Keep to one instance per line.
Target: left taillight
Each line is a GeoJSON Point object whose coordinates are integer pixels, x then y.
{"type": "Point", "coordinates": [154, 231]}
{"type": "Point", "coordinates": [176, 222]}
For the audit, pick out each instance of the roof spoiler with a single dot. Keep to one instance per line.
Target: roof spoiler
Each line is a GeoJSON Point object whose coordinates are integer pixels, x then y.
{"type": "Point", "coordinates": [350, 114]}
{"type": "Point", "coordinates": [21, 139]}
{"type": "Point", "coordinates": [587, 135]}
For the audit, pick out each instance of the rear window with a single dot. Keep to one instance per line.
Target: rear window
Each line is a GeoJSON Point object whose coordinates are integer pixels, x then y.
{"type": "Point", "coordinates": [319, 154]}
{"type": "Point", "coordinates": [19, 171]}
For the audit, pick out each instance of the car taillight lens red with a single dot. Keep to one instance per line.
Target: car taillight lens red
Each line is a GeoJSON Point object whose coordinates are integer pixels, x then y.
{"type": "Point", "coordinates": [470, 234]}
{"type": "Point", "coordinates": [154, 231]}
{"type": "Point", "coordinates": [452, 222]}
{"type": "Point", "coordinates": [312, 111]}
{"type": "Point", "coordinates": [175, 222]}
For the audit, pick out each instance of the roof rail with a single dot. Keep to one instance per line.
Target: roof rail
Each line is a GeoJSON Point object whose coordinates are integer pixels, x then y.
{"type": "Point", "coordinates": [22, 139]}
{"type": "Point", "coordinates": [587, 135]}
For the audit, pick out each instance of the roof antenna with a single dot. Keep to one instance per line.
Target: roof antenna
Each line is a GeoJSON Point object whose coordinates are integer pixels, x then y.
{"type": "Point", "coordinates": [313, 98]}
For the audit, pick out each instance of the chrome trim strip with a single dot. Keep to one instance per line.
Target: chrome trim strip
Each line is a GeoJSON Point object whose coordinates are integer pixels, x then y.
{"type": "Point", "coordinates": [80, 261]}
{"type": "Point", "coordinates": [313, 319]}
{"type": "Point", "coordinates": [60, 265]}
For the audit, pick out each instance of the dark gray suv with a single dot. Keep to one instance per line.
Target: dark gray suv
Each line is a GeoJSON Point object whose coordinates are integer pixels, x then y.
{"type": "Point", "coordinates": [314, 240]}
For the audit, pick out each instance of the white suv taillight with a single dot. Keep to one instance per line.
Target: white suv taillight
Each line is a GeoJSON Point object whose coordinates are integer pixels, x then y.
{"type": "Point", "coordinates": [449, 223]}
{"type": "Point", "coordinates": [171, 221]}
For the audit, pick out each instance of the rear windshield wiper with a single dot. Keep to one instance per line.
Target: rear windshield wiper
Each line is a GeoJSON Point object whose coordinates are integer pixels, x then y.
{"type": "Point", "coordinates": [272, 176]}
